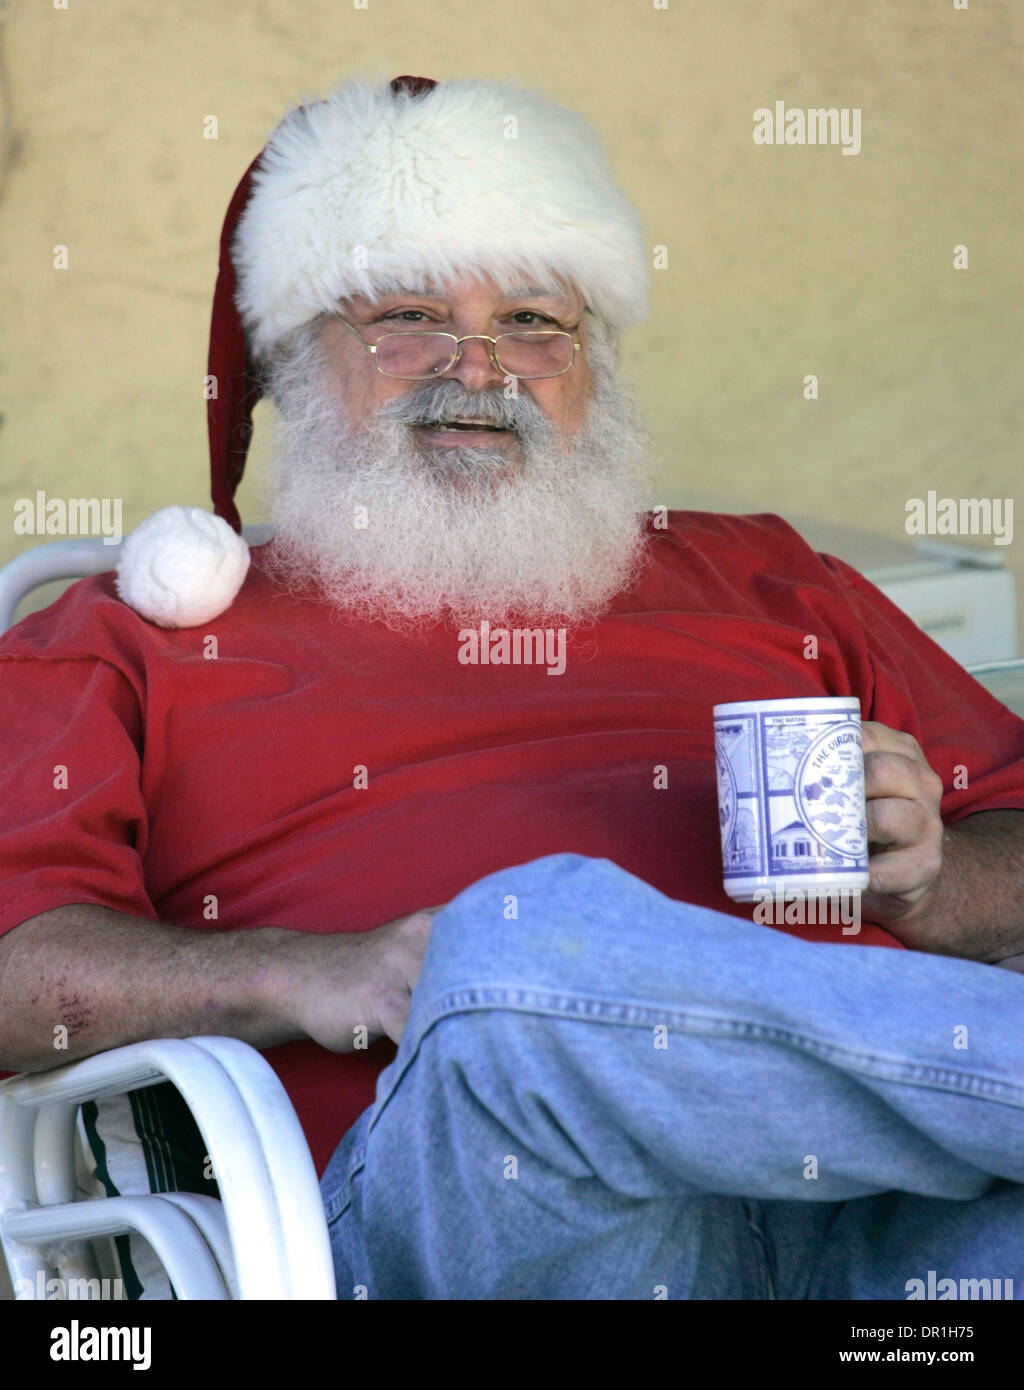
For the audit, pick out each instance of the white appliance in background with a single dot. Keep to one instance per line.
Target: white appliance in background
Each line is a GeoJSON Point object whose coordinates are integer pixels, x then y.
{"type": "Point", "coordinates": [959, 592]}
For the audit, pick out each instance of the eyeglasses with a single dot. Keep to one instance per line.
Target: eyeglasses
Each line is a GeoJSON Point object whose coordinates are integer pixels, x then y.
{"type": "Point", "coordinates": [415, 356]}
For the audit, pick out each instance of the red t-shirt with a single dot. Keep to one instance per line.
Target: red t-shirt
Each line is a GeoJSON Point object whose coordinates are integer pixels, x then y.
{"type": "Point", "coordinates": [239, 776]}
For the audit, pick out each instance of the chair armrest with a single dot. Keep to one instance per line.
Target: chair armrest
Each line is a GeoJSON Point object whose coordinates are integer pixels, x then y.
{"type": "Point", "coordinates": [268, 1185]}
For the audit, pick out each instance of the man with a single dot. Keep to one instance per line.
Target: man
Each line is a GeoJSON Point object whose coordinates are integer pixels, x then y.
{"type": "Point", "coordinates": [608, 1083]}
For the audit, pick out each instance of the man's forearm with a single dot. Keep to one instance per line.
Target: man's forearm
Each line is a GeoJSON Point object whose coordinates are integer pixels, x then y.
{"type": "Point", "coordinates": [81, 979]}
{"type": "Point", "coordinates": [976, 906]}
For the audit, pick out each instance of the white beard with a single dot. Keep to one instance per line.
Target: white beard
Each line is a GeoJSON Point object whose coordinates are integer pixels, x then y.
{"type": "Point", "coordinates": [386, 528]}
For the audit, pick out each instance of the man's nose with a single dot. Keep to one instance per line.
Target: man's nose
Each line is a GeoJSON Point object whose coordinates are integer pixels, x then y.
{"type": "Point", "coordinates": [474, 368]}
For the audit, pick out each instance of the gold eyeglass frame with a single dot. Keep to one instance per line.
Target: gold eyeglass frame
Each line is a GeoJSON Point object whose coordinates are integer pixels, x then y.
{"type": "Point", "coordinates": [577, 346]}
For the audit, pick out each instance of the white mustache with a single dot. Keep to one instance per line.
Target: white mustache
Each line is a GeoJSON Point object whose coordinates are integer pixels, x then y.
{"type": "Point", "coordinates": [449, 400]}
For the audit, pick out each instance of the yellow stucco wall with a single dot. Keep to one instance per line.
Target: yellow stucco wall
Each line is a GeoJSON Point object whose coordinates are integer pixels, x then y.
{"type": "Point", "coordinates": [782, 261]}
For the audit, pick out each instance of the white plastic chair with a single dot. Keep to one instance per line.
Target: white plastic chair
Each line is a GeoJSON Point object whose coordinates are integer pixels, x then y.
{"type": "Point", "coordinates": [265, 1239]}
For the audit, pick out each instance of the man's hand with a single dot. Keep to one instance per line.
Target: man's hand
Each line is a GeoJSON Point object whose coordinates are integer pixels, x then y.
{"type": "Point", "coordinates": [956, 890]}
{"type": "Point", "coordinates": [336, 986]}
{"type": "Point", "coordinates": [905, 830]}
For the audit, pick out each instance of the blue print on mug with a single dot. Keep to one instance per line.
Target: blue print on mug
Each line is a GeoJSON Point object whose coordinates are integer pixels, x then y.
{"type": "Point", "coordinates": [791, 794]}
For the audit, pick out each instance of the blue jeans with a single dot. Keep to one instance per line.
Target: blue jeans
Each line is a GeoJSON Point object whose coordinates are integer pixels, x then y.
{"type": "Point", "coordinates": [605, 1093]}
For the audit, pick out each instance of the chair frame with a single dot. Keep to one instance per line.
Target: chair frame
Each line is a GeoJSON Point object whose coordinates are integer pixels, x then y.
{"type": "Point", "coordinates": [267, 1237]}
{"type": "Point", "coordinates": [70, 559]}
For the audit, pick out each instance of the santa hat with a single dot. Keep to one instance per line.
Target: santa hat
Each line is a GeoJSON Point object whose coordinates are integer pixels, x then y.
{"type": "Point", "coordinates": [375, 188]}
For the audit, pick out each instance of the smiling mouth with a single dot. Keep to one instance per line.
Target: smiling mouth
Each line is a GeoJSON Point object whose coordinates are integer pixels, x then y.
{"type": "Point", "coordinates": [465, 424]}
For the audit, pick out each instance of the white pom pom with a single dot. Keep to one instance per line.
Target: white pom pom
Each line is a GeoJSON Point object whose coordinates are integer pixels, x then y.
{"type": "Point", "coordinates": [181, 567]}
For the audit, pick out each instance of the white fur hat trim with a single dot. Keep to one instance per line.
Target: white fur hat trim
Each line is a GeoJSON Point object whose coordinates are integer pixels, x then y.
{"type": "Point", "coordinates": [367, 191]}
{"type": "Point", "coordinates": [181, 567]}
